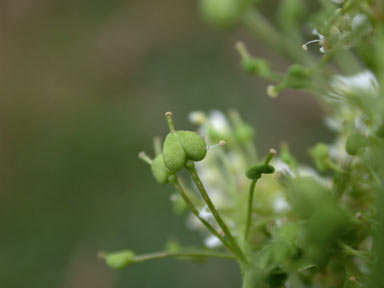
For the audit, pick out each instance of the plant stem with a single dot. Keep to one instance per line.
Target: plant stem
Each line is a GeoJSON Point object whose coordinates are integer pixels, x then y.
{"type": "Point", "coordinates": [257, 22]}
{"type": "Point", "coordinates": [195, 211]}
{"type": "Point", "coordinates": [187, 254]}
{"type": "Point", "coordinates": [191, 168]}
{"type": "Point", "coordinates": [249, 212]}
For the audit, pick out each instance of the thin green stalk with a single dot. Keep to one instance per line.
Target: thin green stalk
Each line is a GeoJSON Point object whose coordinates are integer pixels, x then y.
{"type": "Point", "coordinates": [195, 211]}
{"type": "Point", "coordinates": [257, 22]}
{"type": "Point", "coordinates": [195, 177]}
{"type": "Point", "coordinates": [249, 212]}
{"type": "Point", "coordinates": [182, 254]}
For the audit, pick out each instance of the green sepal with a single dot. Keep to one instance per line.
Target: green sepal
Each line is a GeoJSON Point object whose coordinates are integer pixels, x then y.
{"type": "Point", "coordinates": [194, 145]}
{"type": "Point", "coordinates": [173, 153]}
{"type": "Point", "coordinates": [120, 259]}
{"type": "Point", "coordinates": [355, 143]}
{"type": "Point", "coordinates": [160, 171]}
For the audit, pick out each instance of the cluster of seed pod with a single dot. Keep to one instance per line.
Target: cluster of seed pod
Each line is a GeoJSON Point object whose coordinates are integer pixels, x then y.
{"type": "Point", "coordinates": [179, 147]}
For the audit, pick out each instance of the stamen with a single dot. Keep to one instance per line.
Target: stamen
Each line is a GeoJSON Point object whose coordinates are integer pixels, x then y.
{"type": "Point", "coordinates": [309, 42]}
{"type": "Point", "coordinates": [221, 143]}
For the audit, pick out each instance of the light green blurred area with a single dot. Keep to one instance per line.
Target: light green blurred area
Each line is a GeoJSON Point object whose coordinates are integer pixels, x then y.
{"type": "Point", "coordinates": [84, 87]}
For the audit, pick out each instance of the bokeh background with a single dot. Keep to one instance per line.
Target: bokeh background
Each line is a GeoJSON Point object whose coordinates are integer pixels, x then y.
{"type": "Point", "coordinates": [83, 88]}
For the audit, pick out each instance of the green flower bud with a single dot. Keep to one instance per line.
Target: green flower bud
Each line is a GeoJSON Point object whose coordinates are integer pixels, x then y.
{"type": "Point", "coordinates": [160, 171]}
{"type": "Point", "coordinates": [355, 143]}
{"type": "Point", "coordinates": [194, 145]}
{"type": "Point", "coordinates": [297, 77]}
{"type": "Point", "coordinates": [251, 64]}
{"type": "Point", "coordinates": [254, 172]}
{"type": "Point", "coordinates": [173, 153]}
{"type": "Point", "coordinates": [120, 259]}
{"type": "Point", "coordinates": [222, 13]}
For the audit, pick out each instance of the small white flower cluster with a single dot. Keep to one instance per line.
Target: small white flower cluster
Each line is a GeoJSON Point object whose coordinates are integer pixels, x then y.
{"type": "Point", "coordinates": [356, 25]}
{"type": "Point", "coordinates": [223, 175]}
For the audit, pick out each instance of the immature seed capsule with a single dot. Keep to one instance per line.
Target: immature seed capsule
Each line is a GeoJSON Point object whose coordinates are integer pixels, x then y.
{"type": "Point", "coordinates": [120, 259]}
{"type": "Point", "coordinates": [160, 171]}
{"type": "Point", "coordinates": [173, 153]}
{"type": "Point", "coordinates": [255, 172]}
{"type": "Point", "coordinates": [355, 143]}
{"type": "Point", "coordinates": [181, 146]}
{"type": "Point", "coordinates": [194, 145]}
{"type": "Point", "coordinates": [297, 77]}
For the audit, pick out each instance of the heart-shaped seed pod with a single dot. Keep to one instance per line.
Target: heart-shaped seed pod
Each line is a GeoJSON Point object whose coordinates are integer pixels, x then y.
{"type": "Point", "coordinates": [160, 171]}
{"type": "Point", "coordinates": [355, 143]}
{"type": "Point", "coordinates": [254, 172]}
{"type": "Point", "coordinates": [194, 145]}
{"type": "Point", "coordinates": [173, 153]}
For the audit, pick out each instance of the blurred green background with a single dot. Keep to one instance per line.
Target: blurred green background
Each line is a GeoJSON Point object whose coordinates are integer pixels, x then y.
{"type": "Point", "coordinates": [84, 87]}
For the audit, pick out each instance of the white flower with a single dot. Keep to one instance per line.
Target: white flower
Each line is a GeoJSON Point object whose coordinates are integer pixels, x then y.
{"type": "Point", "coordinates": [206, 214]}
{"type": "Point", "coordinates": [212, 242]}
{"type": "Point", "coordinates": [218, 122]}
{"type": "Point", "coordinates": [333, 123]}
{"type": "Point", "coordinates": [309, 171]}
{"type": "Point", "coordinates": [282, 167]}
{"type": "Point", "coordinates": [280, 205]}
{"type": "Point", "coordinates": [363, 83]}
{"type": "Point", "coordinates": [197, 117]}
{"type": "Point", "coordinates": [361, 21]}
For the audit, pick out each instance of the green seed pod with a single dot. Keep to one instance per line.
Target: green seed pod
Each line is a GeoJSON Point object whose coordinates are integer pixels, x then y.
{"type": "Point", "coordinates": [297, 77]}
{"type": "Point", "coordinates": [120, 259]}
{"type": "Point", "coordinates": [254, 172]}
{"type": "Point", "coordinates": [173, 153]}
{"type": "Point", "coordinates": [355, 143]}
{"type": "Point", "coordinates": [160, 171]}
{"type": "Point", "coordinates": [194, 145]}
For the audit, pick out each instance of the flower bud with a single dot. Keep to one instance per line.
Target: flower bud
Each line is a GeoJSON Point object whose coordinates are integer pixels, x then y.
{"type": "Point", "coordinates": [120, 259]}
{"type": "Point", "coordinates": [173, 153]}
{"type": "Point", "coordinates": [194, 145]}
{"type": "Point", "coordinates": [160, 171]}
{"type": "Point", "coordinates": [355, 143]}
{"type": "Point", "coordinates": [222, 13]}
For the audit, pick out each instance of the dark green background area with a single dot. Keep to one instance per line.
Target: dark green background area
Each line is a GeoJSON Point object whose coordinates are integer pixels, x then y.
{"type": "Point", "coordinates": [84, 86]}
